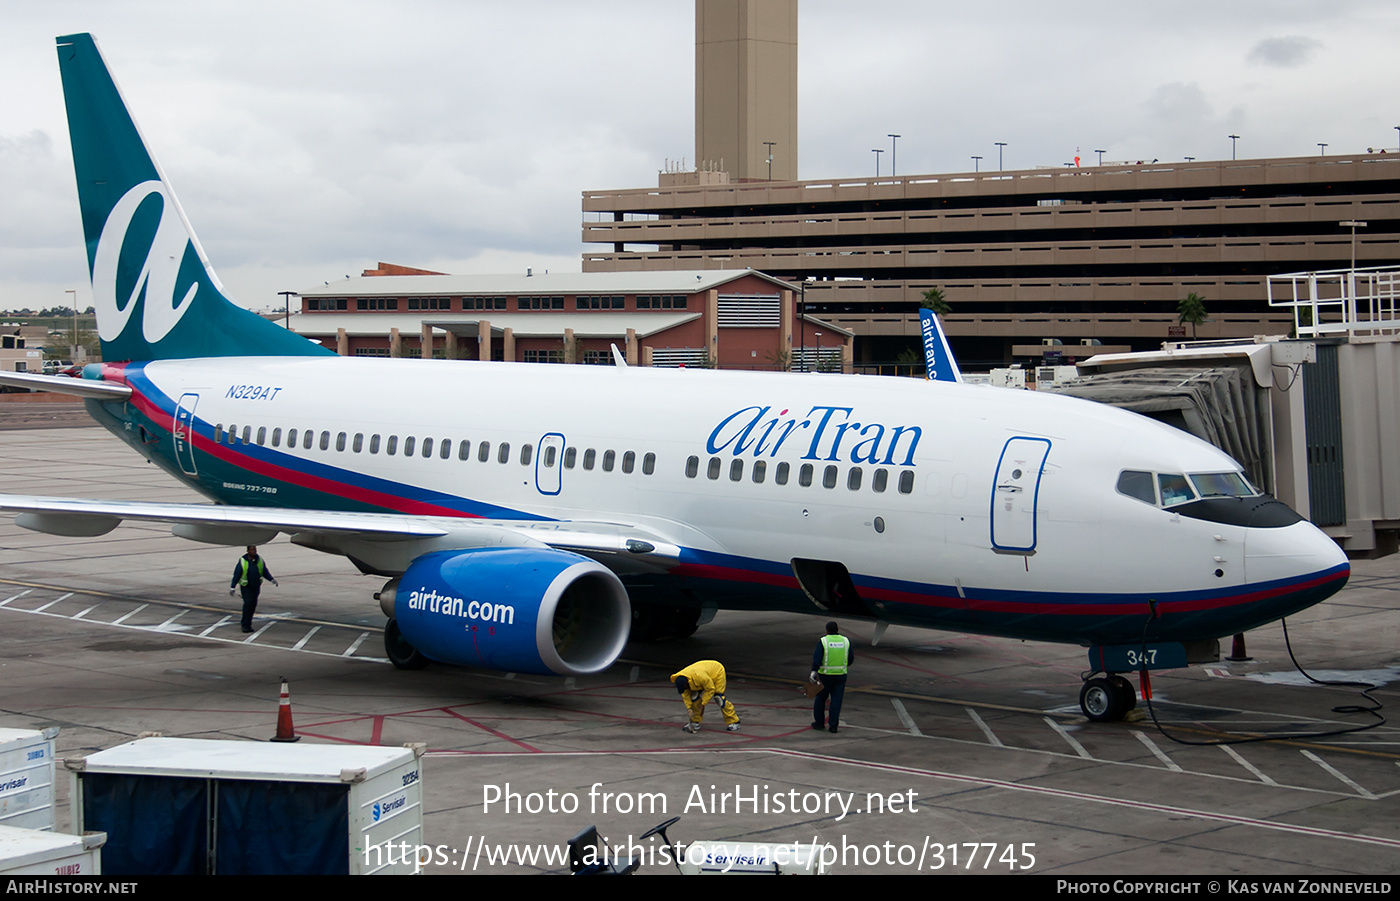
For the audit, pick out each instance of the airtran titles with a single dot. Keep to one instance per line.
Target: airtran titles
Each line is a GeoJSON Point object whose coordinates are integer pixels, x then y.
{"type": "Point", "coordinates": [429, 600]}
{"type": "Point", "coordinates": [825, 433]}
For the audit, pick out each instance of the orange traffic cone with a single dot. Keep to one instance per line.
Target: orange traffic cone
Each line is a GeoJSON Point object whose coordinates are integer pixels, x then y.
{"type": "Point", "coordinates": [1237, 651]}
{"type": "Point", "coordinates": [285, 732]}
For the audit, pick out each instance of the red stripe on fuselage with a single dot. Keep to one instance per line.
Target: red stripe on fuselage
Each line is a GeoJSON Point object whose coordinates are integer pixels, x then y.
{"type": "Point", "coordinates": [291, 476]}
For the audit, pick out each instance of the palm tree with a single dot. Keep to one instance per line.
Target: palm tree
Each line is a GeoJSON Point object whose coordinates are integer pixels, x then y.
{"type": "Point", "coordinates": [1191, 309]}
{"type": "Point", "coordinates": [934, 300]}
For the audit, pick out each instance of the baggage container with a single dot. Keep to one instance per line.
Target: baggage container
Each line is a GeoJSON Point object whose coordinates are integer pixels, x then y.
{"type": "Point", "coordinates": [26, 778]}
{"type": "Point", "coordinates": [191, 807]}
{"type": "Point", "coordinates": [33, 852]}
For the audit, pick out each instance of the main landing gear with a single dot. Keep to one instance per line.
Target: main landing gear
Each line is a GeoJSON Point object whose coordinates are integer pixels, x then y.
{"type": "Point", "coordinates": [1107, 699]}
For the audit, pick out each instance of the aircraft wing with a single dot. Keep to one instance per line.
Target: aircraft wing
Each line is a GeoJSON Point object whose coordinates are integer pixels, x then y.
{"type": "Point", "coordinates": [62, 384]}
{"type": "Point", "coordinates": [362, 536]}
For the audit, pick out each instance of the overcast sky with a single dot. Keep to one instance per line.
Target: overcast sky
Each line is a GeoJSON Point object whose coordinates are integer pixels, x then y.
{"type": "Point", "coordinates": [309, 140]}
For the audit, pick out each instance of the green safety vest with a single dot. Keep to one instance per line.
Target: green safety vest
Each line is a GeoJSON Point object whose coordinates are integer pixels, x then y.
{"type": "Point", "coordinates": [243, 579]}
{"type": "Point", "coordinates": [836, 655]}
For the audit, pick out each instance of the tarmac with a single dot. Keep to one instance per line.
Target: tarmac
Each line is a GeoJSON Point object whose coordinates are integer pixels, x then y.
{"type": "Point", "coordinates": [956, 753]}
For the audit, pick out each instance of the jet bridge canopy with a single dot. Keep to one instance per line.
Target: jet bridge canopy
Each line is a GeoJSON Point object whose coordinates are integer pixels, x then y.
{"type": "Point", "coordinates": [1220, 404]}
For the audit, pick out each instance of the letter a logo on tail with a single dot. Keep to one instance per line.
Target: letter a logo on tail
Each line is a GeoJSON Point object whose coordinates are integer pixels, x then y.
{"type": "Point", "coordinates": [155, 295]}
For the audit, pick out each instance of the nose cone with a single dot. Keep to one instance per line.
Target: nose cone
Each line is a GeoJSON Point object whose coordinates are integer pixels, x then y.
{"type": "Point", "coordinates": [1291, 568]}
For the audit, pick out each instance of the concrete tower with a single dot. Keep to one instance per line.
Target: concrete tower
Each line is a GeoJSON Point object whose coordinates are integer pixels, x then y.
{"type": "Point", "coordinates": [746, 87]}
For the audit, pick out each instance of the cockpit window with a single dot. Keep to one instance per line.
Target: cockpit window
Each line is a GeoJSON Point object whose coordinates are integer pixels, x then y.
{"type": "Point", "coordinates": [1175, 489]}
{"type": "Point", "coordinates": [1137, 485]}
{"type": "Point", "coordinates": [1222, 484]}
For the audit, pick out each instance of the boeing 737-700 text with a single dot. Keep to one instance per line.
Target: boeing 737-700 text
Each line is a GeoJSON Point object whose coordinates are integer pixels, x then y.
{"type": "Point", "coordinates": [528, 517]}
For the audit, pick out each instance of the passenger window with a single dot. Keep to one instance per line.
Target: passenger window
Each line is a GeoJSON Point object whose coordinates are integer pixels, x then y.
{"type": "Point", "coordinates": [649, 464]}
{"type": "Point", "coordinates": [291, 437]}
{"type": "Point", "coordinates": [880, 480]}
{"type": "Point", "coordinates": [906, 481]}
{"type": "Point", "coordinates": [307, 436]}
{"type": "Point", "coordinates": [692, 467]}
{"type": "Point", "coordinates": [357, 446]}
{"type": "Point", "coordinates": [629, 461]}
{"type": "Point", "coordinates": [853, 479]}
{"type": "Point", "coordinates": [262, 435]}
{"type": "Point", "coordinates": [609, 460]}
{"type": "Point", "coordinates": [340, 441]}
{"type": "Point", "coordinates": [736, 470]}
{"type": "Point", "coordinates": [527, 453]}
{"type": "Point", "coordinates": [248, 435]}
{"type": "Point", "coordinates": [549, 454]}
{"type": "Point", "coordinates": [374, 444]}
{"type": "Point", "coordinates": [276, 437]}
{"type": "Point", "coordinates": [409, 443]}
{"type": "Point", "coordinates": [483, 452]}
{"type": "Point", "coordinates": [570, 455]}
{"type": "Point", "coordinates": [829, 477]}
{"type": "Point", "coordinates": [804, 475]}
{"type": "Point", "coordinates": [427, 447]}
{"type": "Point", "coordinates": [1137, 485]}
{"type": "Point", "coordinates": [444, 448]}
{"type": "Point", "coordinates": [713, 472]}
{"type": "Point", "coordinates": [1175, 489]}
{"type": "Point", "coordinates": [219, 433]}
{"type": "Point", "coordinates": [781, 476]}
{"type": "Point", "coordinates": [464, 450]}
{"type": "Point", "coordinates": [325, 440]}
{"type": "Point", "coordinates": [590, 456]}
{"type": "Point", "coordinates": [391, 445]}
{"type": "Point", "coordinates": [760, 467]}
{"type": "Point", "coordinates": [503, 454]}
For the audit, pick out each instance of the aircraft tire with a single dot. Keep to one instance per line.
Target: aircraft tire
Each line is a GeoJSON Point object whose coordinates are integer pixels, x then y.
{"type": "Point", "coordinates": [1127, 694]}
{"type": "Point", "coordinates": [658, 622]}
{"type": "Point", "coordinates": [1102, 701]}
{"type": "Point", "coordinates": [400, 653]}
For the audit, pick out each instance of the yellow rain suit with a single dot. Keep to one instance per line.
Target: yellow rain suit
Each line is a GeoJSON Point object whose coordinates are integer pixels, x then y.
{"type": "Point", "coordinates": [706, 678]}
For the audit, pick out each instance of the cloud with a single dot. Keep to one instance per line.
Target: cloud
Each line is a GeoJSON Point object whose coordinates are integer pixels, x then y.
{"type": "Point", "coordinates": [1283, 53]}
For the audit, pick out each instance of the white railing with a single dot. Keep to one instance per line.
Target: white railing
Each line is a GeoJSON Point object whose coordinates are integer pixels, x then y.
{"type": "Point", "coordinates": [1347, 302]}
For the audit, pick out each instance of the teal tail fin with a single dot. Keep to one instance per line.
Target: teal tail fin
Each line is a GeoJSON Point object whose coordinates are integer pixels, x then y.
{"type": "Point", "coordinates": [155, 294]}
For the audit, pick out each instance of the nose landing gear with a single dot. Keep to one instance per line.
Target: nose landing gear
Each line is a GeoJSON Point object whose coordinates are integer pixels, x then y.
{"type": "Point", "coordinates": [1107, 699]}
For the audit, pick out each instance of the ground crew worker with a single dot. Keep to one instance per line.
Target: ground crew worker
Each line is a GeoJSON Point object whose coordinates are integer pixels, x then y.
{"type": "Point", "coordinates": [248, 575]}
{"type": "Point", "coordinates": [696, 684]}
{"type": "Point", "coordinates": [830, 663]}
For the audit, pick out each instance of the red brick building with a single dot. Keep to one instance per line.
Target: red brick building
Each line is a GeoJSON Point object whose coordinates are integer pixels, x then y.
{"type": "Point", "coordinates": [733, 320]}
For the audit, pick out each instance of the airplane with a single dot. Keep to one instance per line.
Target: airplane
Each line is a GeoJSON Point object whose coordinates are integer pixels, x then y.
{"type": "Point", "coordinates": [529, 518]}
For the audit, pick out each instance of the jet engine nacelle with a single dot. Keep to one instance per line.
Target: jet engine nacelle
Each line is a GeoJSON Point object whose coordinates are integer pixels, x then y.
{"type": "Point", "coordinates": [520, 610]}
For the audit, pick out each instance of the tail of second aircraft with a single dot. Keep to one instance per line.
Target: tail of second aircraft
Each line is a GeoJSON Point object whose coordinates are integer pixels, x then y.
{"type": "Point", "coordinates": [155, 294]}
{"type": "Point", "coordinates": [938, 356]}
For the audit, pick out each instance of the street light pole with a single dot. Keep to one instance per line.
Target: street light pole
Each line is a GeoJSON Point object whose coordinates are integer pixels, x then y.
{"type": "Point", "coordinates": [287, 308]}
{"type": "Point", "coordinates": [976, 164]}
{"type": "Point", "coordinates": [1233, 139]}
{"type": "Point", "coordinates": [1323, 148]}
{"type": "Point", "coordinates": [770, 145]}
{"type": "Point", "coordinates": [1000, 146]}
{"type": "Point", "coordinates": [1354, 224]}
{"type": "Point", "coordinates": [877, 153]}
{"type": "Point", "coordinates": [894, 154]}
{"type": "Point", "coordinates": [73, 351]}
{"type": "Point", "coordinates": [1100, 153]}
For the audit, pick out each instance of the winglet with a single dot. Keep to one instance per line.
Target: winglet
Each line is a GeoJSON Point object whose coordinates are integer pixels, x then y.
{"type": "Point", "coordinates": [937, 355]}
{"type": "Point", "coordinates": [618, 359]}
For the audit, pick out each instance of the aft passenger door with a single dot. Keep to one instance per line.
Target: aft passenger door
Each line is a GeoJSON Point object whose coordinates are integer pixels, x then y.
{"type": "Point", "coordinates": [549, 464]}
{"type": "Point", "coordinates": [1016, 493]}
{"type": "Point", "coordinates": [183, 433]}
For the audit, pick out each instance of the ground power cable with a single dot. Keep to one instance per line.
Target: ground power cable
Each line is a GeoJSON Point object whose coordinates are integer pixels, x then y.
{"type": "Point", "coordinates": [1366, 687]}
